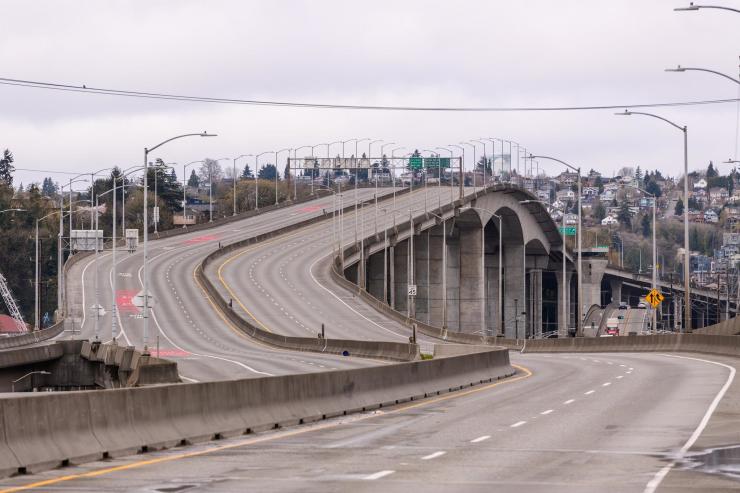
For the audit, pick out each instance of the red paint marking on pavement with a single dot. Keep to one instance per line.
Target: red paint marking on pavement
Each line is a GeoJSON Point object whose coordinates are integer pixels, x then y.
{"type": "Point", "coordinates": [171, 353]}
{"type": "Point", "coordinates": [310, 208]}
{"type": "Point", "coordinates": [201, 239]}
{"type": "Point", "coordinates": [124, 301]}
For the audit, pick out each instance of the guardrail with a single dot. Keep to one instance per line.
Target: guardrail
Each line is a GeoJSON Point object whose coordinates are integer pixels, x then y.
{"type": "Point", "coordinates": [368, 349]}
{"type": "Point", "coordinates": [46, 430]}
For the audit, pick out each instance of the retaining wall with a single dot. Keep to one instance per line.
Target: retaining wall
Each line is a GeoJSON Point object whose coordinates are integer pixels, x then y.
{"type": "Point", "coordinates": [48, 430]}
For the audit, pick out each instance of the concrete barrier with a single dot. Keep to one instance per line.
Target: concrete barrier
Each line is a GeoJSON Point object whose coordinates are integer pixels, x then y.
{"type": "Point", "coordinates": [48, 430]}
{"type": "Point", "coordinates": [729, 327]}
{"type": "Point", "coordinates": [33, 337]}
{"type": "Point", "coordinates": [693, 343]}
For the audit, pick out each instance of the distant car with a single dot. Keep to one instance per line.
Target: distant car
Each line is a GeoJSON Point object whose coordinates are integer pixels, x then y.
{"type": "Point", "coordinates": [623, 305]}
{"type": "Point", "coordinates": [642, 304]}
{"type": "Point", "coordinates": [612, 332]}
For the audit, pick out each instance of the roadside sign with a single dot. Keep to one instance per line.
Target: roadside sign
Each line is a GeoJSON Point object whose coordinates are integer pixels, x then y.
{"type": "Point", "coordinates": [654, 297]}
{"type": "Point", "coordinates": [567, 230]}
{"type": "Point", "coordinates": [415, 162]}
{"type": "Point", "coordinates": [412, 289]}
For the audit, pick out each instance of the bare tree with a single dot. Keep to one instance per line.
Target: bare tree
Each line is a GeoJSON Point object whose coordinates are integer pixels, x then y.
{"type": "Point", "coordinates": [210, 170]}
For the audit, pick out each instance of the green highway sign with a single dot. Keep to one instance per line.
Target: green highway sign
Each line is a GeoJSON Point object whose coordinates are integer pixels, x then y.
{"type": "Point", "coordinates": [415, 162]}
{"type": "Point", "coordinates": [567, 230]}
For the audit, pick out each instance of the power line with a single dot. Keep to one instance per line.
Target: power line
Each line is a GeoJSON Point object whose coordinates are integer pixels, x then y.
{"type": "Point", "coordinates": [293, 104]}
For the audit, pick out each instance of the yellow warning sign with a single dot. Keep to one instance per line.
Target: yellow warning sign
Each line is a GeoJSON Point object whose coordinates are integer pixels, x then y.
{"type": "Point", "coordinates": [654, 297]}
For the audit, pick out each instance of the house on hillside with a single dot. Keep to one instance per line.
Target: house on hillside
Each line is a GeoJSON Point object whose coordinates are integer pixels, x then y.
{"type": "Point", "coordinates": [711, 216]}
{"type": "Point", "coordinates": [609, 221]}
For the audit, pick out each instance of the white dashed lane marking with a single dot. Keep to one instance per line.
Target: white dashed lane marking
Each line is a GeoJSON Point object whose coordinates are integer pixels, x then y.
{"type": "Point", "coordinates": [434, 455]}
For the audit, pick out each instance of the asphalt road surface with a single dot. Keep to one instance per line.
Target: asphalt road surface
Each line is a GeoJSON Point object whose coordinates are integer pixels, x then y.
{"type": "Point", "coordinates": [284, 286]}
{"type": "Point", "coordinates": [183, 323]}
{"type": "Point", "coordinates": [571, 423]}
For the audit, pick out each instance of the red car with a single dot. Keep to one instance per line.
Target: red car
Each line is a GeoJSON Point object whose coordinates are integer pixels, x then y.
{"type": "Point", "coordinates": [612, 332]}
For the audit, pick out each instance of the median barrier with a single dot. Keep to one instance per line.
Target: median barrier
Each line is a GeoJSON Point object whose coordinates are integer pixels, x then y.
{"type": "Point", "coordinates": [46, 430]}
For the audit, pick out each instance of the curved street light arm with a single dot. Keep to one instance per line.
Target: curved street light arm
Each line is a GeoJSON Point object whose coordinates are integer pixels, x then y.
{"type": "Point", "coordinates": [697, 69]}
{"type": "Point", "coordinates": [692, 7]}
{"type": "Point", "coordinates": [628, 113]}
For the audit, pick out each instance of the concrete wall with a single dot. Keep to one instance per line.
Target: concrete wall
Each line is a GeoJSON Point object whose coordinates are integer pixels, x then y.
{"type": "Point", "coordinates": [40, 431]}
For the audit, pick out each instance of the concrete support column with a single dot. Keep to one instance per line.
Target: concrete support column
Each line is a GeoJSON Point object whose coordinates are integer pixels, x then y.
{"type": "Point", "coordinates": [422, 266]}
{"type": "Point", "coordinates": [593, 274]}
{"type": "Point", "coordinates": [391, 276]}
{"type": "Point", "coordinates": [453, 280]}
{"type": "Point", "coordinates": [616, 286]}
{"type": "Point", "coordinates": [491, 279]}
{"type": "Point", "coordinates": [400, 279]}
{"type": "Point", "coordinates": [375, 275]}
{"type": "Point", "coordinates": [472, 289]}
{"type": "Point", "coordinates": [435, 276]}
{"type": "Point", "coordinates": [535, 302]}
{"type": "Point", "coordinates": [564, 322]}
{"type": "Point", "coordinates": [513, 288]}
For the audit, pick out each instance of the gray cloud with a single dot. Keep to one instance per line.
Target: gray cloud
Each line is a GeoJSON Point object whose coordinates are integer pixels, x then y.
{"type": "Point", "coordinates": [493, 53]}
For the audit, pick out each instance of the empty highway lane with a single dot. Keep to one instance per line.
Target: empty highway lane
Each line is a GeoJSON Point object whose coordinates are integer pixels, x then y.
{"type": "Point", "coordinates": [566, 422]}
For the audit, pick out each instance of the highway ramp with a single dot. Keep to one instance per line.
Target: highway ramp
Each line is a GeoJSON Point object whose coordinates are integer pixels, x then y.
{"type": "Point", "coordinates": [190, 331]}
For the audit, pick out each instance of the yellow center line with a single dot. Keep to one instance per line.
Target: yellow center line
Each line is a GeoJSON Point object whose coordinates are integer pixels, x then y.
{"type": "Point", "coordinates": [266, 438]}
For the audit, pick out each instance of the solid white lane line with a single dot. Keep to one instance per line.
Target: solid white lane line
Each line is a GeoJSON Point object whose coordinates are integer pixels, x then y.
{"type": "Point", "coordinates": [434, 455]}
{"type": "Point", "coordinates": [660, 475]}
{"type": "Point", "coordinates": [606, 384]}
{"type": "Point", "coordinates": [569, 401]}
{"type": "Point", "coordinates": [480, 439]}
{"type": "Point", "coordinates": [546, 412]}
{"type": "Point", "coordinates": [589, 392]}
{"type": "Point", "coordinates": [518, 424]}
{"type": "Point", "coordinates": [378, 475]}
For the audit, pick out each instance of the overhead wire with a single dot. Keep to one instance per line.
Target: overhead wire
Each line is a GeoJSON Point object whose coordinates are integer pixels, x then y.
{"type": "Point", "coordinates": [294, 104]}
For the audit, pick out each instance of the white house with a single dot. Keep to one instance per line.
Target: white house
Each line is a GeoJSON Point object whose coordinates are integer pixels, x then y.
{"type": "Point", "coordinates": [701, 183]}
{"type": "Point", "coordinates": [571, 219]}
{"type": "Point", "coordinates": [710, 216]}
{"type": "Point", "coordinates": [609, 221]}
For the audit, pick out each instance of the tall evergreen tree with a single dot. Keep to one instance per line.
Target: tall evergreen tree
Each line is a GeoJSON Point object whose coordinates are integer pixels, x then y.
{"type": "Point", "coordinates": [711, 172]}
{"type": "Point", "coordinates": [678, 210]}
{"type": "Point", "coordinates": [6, 168]}
{"type": "Point", "coordinates": [193, 181]}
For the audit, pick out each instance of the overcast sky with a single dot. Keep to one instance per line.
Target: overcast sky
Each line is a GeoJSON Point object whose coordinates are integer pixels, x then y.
{"type": "Point", "coordinates": [381, 52]}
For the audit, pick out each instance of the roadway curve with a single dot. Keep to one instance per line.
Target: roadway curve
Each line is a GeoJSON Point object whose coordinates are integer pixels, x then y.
{"type": "Point", "coordinates": [284, 286]}
{"type": "Point", "coordinates": [190, 330]}
{"type": "Point", "coordinates": [571, 423]}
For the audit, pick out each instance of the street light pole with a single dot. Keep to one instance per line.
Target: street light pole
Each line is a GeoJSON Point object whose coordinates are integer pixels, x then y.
{"type": "Point", "coordinates": [147, 150]}
{"type": "Point", "coordinates": [474, 163]}
{"type": "Point", "coordinates": [256, 182]}
{"type": "Point", "coordinates": [233, 171]}
{"type": "Point", "coordinates": [184, 192]}
{"type": "Point", "coordinates": [687, 279]}
{"type": "Point", "coordinates": [579, 312]}
{"type": "Point", "coordinates": [276, 172]}
{"type": "Point", "coordinates": [462, 168]}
